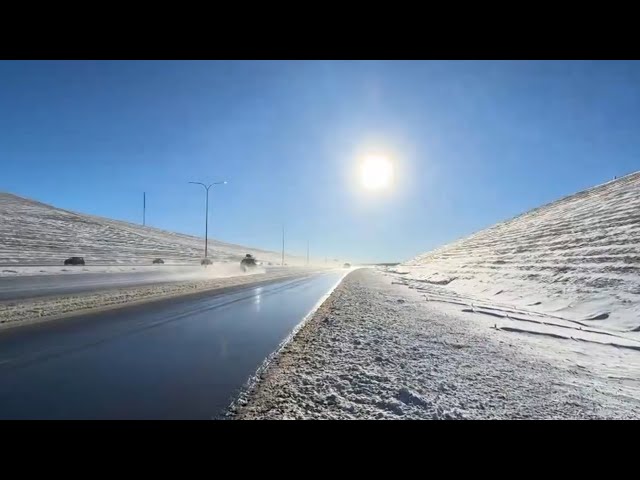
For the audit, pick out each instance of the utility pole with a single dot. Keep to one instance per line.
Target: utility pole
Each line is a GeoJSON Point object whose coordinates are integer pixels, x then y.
{"type": "Point", "coordinates": [144, 208]}
{"type": "Point", "coordinates": [206, 216]}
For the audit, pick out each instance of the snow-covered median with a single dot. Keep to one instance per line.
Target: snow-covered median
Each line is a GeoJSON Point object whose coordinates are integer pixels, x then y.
{"type": "Point", "coordinates": [378, 350]}
{"type": "Point", "coordinates": [26, 311]}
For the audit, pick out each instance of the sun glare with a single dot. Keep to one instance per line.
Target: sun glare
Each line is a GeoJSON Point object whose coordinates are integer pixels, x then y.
{"type": "Point", "coordinates": [376, 173]}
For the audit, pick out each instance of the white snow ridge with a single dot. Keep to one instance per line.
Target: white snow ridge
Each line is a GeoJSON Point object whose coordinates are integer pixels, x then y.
{"type": "Point", "coordinates": [577, 258]}
{"type": "Point", "coordinates": [33, 233]}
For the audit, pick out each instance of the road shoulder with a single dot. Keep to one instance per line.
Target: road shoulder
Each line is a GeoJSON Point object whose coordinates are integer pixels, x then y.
{"type": "Point", "coordinates": [376, 350]}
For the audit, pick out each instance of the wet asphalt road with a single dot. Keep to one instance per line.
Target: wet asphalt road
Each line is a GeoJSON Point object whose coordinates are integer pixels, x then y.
{"type": "Point", "coordinates": [34, 286]}
{"type": "Point", "coordinates": [183, 358]}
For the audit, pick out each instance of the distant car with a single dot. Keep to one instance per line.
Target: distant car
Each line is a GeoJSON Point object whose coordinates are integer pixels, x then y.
{"type": "Point", "coordinates": [347, 265]}
{"type": "Point", "coordinates": [248, 262]}
{"type": "Point", "coordinates": [158, 260]}
{"type": "Point", "coordinates": [206, 261]}
{"type": "Point", "coordinates": [74, 261]}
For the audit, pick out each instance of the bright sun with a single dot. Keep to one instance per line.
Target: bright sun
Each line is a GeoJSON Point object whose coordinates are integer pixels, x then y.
{"type": "Point", "coordinates": [376, 173]}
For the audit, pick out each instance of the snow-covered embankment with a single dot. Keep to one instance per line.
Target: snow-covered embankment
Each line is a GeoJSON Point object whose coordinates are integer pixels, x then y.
{"type": "Point", "coordinates": [34, 233]}
{"type": "Point", "coordinates": [577, 259]}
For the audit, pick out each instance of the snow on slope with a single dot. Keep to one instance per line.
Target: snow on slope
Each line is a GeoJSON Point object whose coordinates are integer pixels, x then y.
{"type": "Point", "coordinates": [38, 234]}
{"type": "Point", "coordinates": [577, 258]}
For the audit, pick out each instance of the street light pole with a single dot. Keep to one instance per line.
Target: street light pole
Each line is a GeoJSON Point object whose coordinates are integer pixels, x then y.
{"type": "Point", "coordinates": [206, 217]}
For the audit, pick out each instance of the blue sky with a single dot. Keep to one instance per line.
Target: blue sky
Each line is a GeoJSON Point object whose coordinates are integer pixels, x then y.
{"type": "Point", "coordinates": [473, 143]}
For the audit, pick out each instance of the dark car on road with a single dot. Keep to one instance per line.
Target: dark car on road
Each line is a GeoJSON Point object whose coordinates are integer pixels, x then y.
{"type": "Point", "coordinates": [248, 262]}
{"type": "Point", "coordinates": [74, 261]}
{"type": "Point", "coordinates": [347, 265]}
{"type": "Point", "coordinates": [158, 260]}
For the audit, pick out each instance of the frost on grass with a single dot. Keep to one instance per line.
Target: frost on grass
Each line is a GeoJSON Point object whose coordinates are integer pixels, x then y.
{"type": "Point", "coordinates": [380, 351]}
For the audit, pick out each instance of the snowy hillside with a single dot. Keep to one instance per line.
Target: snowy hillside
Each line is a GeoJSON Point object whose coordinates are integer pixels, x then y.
{"type": "Point", "coordinates": [38, 234]}
{"type": "Point", "coordinates": [577, 258]}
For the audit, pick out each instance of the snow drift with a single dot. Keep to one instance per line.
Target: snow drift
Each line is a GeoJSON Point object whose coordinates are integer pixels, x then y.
{"type": "Point", "coordinates": [576, 258]}
{"type": "Point", "coordinates": [33, 233]}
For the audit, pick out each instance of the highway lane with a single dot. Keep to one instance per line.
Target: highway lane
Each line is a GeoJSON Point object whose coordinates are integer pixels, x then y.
{"type": "Point", "coordinates": [182, 358]}
{"type": "Point", "coordinates": [34, 286]}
